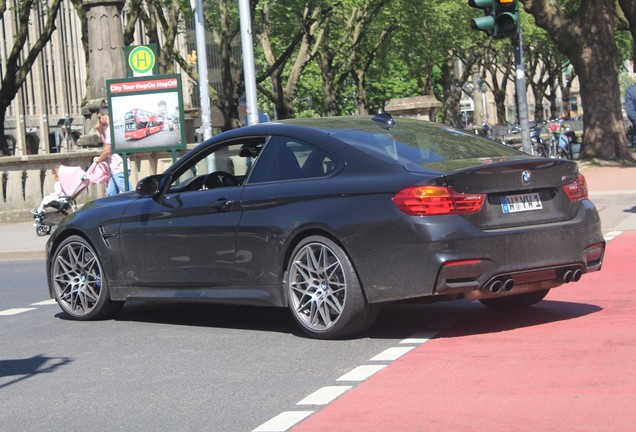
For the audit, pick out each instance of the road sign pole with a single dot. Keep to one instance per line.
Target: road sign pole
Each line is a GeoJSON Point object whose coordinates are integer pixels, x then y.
{"type": "Point", "coordinates": [522, 99]}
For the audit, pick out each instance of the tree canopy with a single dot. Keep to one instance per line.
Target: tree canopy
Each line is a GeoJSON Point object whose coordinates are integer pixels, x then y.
{"type": "Point", "coordinates": [328, 57]}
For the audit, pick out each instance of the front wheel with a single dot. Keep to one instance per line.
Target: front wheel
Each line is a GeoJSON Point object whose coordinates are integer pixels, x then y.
{"type": "Point", "coordinates": [78, 281]}
{"type": "Point", "coordinates": [325, 296]}
{"type": "Point", "coordinates": [517, 301]}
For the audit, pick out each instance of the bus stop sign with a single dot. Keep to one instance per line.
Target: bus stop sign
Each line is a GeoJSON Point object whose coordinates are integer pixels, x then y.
{"type": "Point", "coordinates": [141, 61]}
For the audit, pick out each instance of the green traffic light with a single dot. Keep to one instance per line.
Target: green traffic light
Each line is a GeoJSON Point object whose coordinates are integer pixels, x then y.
{"type": "Point", "coordinates": [506, 18]}
{"type": "Point", "coordinates": [487, 22]}
{"type": "Point", "coordinates": [506, 23]}
{"type": "Point", "coordinates": [481, 4]}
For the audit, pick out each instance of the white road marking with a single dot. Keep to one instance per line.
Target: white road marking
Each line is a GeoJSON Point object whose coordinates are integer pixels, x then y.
{"type": "Point", "coordinates": [391, 354]}
{"type": "Point", "coordinates": [15, 311]}
{"type": "Point", "coordinates": [324, 395]}
{"type": "Point", "coordinates": [361, 373]}
{"type": "Point", "coordinates": [283, 421]}
{"type": "Point", "coordinates": [44, 303]}
{"type": "Point", "coordinates": [611, 235]}
{"type": "Point", "coordinates": [420, 337]}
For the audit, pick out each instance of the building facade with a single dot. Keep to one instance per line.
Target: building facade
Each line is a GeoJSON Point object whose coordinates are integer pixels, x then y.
{"type": "Point", "coordinates": [48, 115]}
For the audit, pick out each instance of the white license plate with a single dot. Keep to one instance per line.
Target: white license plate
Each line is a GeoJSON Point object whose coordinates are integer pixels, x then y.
{"type": "Point", "coordinates": [521, 202]}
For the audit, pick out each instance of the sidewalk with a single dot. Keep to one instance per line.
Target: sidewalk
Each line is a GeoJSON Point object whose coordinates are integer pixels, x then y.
{"type": "Point", "coordinates": [609, 178]}
{"type": "Point", "coordinates": [19, 240]}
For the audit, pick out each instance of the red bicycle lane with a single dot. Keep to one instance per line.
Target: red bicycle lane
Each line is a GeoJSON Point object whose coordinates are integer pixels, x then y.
{"type": "Point", "coordinates": [566, 364]}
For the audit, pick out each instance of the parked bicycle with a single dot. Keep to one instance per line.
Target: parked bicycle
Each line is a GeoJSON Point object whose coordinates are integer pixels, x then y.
{"type": "Point", "coordinates": [559, 146]}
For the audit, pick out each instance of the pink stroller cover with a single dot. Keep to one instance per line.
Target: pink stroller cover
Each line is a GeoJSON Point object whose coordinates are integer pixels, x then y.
{"type": "Point", "coordinates": [99, 174]}
{"type": "Point", "coordinates": [71, 179]}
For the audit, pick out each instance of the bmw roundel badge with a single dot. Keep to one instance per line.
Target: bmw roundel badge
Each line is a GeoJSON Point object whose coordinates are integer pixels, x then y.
{"type": "Point", "coordinates": [526, 176]}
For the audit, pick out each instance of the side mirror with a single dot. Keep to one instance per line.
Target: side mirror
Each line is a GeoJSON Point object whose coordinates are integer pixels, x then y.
{"type": "Point", "coordinates": [150, 186]}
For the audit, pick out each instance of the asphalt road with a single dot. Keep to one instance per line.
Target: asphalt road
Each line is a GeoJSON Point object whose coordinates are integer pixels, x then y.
{"type": "Point", "coordinates": [168, 367]}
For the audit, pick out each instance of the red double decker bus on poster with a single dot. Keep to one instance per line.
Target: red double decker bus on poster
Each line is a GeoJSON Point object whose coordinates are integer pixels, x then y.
{"type": "Point", "coordinates": [139, 124]}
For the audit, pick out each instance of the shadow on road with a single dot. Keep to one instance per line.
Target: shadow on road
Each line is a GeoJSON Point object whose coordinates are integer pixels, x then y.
{"type": "Point", "coordinates": [22, 369]}
{"type": "Point", "coordinates": [395, 321]}
{"type": "Point", "coordinates": [267, 319]}
{"type": "Point", "coordinates": [464, 319]}
{"type": "Point", "coordinates": [545, 312]}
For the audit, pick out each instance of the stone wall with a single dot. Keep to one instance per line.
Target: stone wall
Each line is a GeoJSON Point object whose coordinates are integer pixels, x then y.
{"type": "Point", "coordinates": [24, 180]}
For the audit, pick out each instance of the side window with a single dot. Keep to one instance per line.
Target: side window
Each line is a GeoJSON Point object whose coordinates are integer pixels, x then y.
{"type": "Point", "coordinates": [286, 159]}
{"type": "Point", "coordinates": [221, 166]}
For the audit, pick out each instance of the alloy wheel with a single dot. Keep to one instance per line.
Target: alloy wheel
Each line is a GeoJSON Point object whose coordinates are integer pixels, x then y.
{"type": "Point", "coordinates": [77, 280]}
{"type": "Point", "coordinates": [317, 286]}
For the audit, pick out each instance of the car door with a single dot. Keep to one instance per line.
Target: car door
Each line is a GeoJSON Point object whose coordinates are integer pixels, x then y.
{"type": "Point", "coordinates": [186, 237]}
{"type": "Point", "coordinates": [287, 186]}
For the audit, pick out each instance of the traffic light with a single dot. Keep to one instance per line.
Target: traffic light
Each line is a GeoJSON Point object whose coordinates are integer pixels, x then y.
{"type": "Point", "coordinates": [506, 18]}
{"type": "Point", "coordinates": [487, 22]}
{"type": "Point", "coordinates": [500, 20]}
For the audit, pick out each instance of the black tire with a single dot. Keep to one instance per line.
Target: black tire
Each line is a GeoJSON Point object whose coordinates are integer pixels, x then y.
{"type": "Point", "coordinates": [324, 292]}
{"type": "Point", "coordinates": [78, 281]}
{"type": "Point", "coordinates": [517, 301]}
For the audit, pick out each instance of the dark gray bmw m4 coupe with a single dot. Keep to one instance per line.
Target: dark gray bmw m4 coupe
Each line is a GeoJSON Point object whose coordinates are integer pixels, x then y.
{"type": "Point", "coordinates": [332, 217]}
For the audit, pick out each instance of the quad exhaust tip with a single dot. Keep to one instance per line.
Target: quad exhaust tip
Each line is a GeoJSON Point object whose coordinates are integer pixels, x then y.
{"type": "Point", "coordinates": [505, 284]}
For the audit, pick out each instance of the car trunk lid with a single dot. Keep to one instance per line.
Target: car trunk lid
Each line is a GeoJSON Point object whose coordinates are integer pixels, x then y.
{"type": "Point", "coordinates": [519, 191]}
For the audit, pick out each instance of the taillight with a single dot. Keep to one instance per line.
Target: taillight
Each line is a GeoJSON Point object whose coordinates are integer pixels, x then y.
{"type": "Point", "coordinates": [576, 191]}
{"type": "Point", "coordinates": [436, 200]}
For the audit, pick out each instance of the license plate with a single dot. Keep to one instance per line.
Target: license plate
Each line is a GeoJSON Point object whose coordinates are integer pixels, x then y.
{"type": "Point", "coordinates": [521, 202]}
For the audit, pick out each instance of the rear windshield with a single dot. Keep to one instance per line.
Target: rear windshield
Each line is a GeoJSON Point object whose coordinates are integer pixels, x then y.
{"type": "Point", "coordinates": [413, 143]}
{"type": "Point", "coordinates": [416, 143]}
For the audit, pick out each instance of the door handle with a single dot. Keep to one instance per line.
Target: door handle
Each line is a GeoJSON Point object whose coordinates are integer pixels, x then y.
{"type": "Point", "coordinates": [222, 204]}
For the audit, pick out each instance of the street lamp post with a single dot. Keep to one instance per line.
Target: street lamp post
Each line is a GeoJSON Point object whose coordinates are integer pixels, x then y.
{"type": "Point", "coordinates": [248, 62]}
{"type": "Point", "coordinates": [483, 88]}
{"type": "Point", "coordinates": [202, 69]}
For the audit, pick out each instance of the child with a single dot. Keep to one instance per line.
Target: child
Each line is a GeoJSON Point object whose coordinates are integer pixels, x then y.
{"type": "Point", "coordinates": [53, 196]}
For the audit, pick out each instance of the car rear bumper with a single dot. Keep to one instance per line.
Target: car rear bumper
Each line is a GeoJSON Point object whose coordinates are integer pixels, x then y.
{"type": "Point", "coordinates": [448, 255]}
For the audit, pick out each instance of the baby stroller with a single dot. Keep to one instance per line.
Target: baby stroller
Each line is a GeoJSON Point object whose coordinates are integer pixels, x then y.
{"type": "Point", "coordinates": [73, 180]}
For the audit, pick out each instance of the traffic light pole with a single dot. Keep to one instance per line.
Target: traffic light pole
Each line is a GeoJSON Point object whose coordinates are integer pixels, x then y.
{"type": "Point", "coordinates": [522, 100]}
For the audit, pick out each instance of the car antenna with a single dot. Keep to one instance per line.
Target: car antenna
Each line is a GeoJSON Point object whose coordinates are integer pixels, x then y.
{"type": "Point", "coordinates": [384, 119]}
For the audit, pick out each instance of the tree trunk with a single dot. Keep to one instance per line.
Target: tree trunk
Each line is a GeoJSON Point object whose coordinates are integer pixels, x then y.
{"type": "Point", "coordinates": [4, 147]}
{"type": "Point", "coordinates": [587, 37]}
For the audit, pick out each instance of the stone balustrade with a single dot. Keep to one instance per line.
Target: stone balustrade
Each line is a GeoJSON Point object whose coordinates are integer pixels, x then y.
{"type": "Point", "coordinates": [24, 180]}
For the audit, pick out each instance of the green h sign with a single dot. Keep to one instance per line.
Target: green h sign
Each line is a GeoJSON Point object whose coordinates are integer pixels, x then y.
{"type": "Point", "coordinates": [141, 60]}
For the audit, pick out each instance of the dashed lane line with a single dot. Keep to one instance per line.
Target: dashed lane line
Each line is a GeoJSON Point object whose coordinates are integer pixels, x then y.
{"type": "Point", "coordinates": [611, 235]}
{"type": "Point", "coordinates": [283, 421]}
{"type": "Point", "coordinates": [325, 395]}
{"type": "Point", "coordinates": [45, 303]}
{"type": "Point", "coordinates": [392, 354]}
{"type": "Point", "coordinates": [421, 337]}
{"type": "Point", "coordinates": [360, 373]}
{"type": "Point", "coordinates": [16, 311]}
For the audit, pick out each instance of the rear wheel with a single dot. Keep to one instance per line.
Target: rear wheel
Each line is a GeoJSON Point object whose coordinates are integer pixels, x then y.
{"type": "Point", "coordinates": [78, 281]}
{"type": "Point", "coordinates": [325, 296]}
{"type": "Point", "coordinates": [517, 301]}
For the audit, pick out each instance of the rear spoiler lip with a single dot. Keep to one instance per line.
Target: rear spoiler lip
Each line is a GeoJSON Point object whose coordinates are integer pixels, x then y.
{"type": "Point", "coordinates": [458, 166]}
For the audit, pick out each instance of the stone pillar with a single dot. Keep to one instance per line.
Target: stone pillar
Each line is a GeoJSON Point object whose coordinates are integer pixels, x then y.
{"type": "Point", "coordinates": [105, 43]}
{"type": "Point", "coordinates": [106, 58]}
